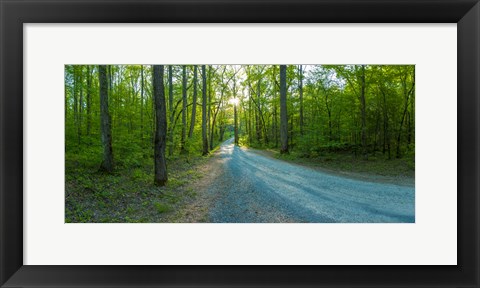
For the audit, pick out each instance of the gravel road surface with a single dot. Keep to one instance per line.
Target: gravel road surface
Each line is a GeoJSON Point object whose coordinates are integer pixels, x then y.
{"type": "Point", "coordinates": [251, 188]}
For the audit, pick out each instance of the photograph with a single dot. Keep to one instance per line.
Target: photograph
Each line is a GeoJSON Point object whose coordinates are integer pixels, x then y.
{"type": "Point", "coordinates": [231, 143]}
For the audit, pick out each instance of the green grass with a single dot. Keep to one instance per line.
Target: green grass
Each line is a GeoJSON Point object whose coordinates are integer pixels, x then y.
{"type": "Point", "coordinates": [162, 207]}
{"type": "Point", "coordinates": [376, 164]}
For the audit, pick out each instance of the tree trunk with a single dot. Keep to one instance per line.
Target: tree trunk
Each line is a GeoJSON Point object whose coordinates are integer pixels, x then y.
{"type": "Point", "coordinates": [66, 94]}
{"type": "Point", "coordinates": [212, 130]}
{"type": "Point", "coordinates": [275, 118]}
{"type": "Point", "coordinates": [75, 98]}
{"type": "Point", "coordinates": [194, 105]}
{"type": "Point", "coordinates": [170, 107]}
{"type": "Point", "coordinates": [386, 133]}
{"type": "Point", "coordinates": [235, 116]}
{"type": "Point", "coordinates": [283, 110]}
{"type": "Point", "coordinates": [329, 113]}
{"type": "Point", "coordinates": [184, 107]}
{"type": "Point", "coordinates": [89, 100]}
{"type": "Point", "coordinates": [300, 88]}
{"type": "Point", "coordinates": [141, 105]}
{"type": "Point", "coordinates": [107, 163]}
{"type": "Point", "coordinates": [209, 108]}
{"type": "Point", "coordinates": [363, 108]}
{"type": "Point", "coordinates": [409, 135]}
{"type": "Point", "coordinates": [249, 124]}
{"type": "Point", "coordinates": [160, 127]}
{"type": "Point", "coordinates": [80, 106]}
{"type": "Point", "coordinates": [204, 111]}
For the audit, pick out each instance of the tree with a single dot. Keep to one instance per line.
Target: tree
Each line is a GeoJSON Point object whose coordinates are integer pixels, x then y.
{"type": "Point", "coordinates": [107, 163]}
{"type": "Point", "coordinates": [283, 110]}
{"type": "Point", "coordinates": [194, 102]}
{"type": "Point", "coordinates": [363, 109]}
{"type": "Point", "coordinates": [142, 90]}
{"type": "Point", "coordinates": [300, 89]}
{"type": "Point", "coordinates": [170, 107]}
{"type": "Point", "coordinates": [160, 127]}
{"type": "Point", "coordinates": [235, 113]}
{"type": "Point", "coordinates": [89, 100]}
{"type": "Point", "coordinates": [204, 111]}
{"type": "Point", "coordinates": [184, 107]}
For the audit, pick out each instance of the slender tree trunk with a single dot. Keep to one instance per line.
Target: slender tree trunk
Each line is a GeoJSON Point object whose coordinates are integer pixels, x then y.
{"type": "Point", "coordinates": [363, 108]}
{"type": "Point", "coordinates": [283, 110]}
{"type": "Point", "coordinates": [300, 88]}
{"type": "Point", "coordinates": [184, 107]}
{"type": "Point", "coordinates": [212, 130]}
{"type": "Point", "coordinates": [75, 98]}
{"type": "Point", "coordinates": [377, 129]}
{"type": "Point", "coordinates": [204, 111]}
{"type": "Point", "coordinates": [194, 105]}
{"type": "Point", "coordinates": [409, 127]}
{"type": "Point", "coordinates": [249, 124]}
{"type": "Point", "coordinates": [258, 132]}
{"type": "Point", "coordinates": [235, 116]}
{"type": "Point", "coordinates": [209, 109]}
{"type": "Point", "coordinates": [89, 99]}
{"type": "Point", "coordinates": [258, 124]}
{"type": "Point", "coordinates": [170, 107]}
{"type": "Point", "coordinates": [386, 133]}
{"type": "Point", "coordinates": [161, 126]}
{"type": "Point", "coordinates": [80, 106]}
{"type": "Point", "coordinates": [329, 113]}
{"type": "Point", "coordinates": [65, 91]}
{"type": "Point", "coordinates": [110, 93]}
{"type": "Point", "coordinates": [132, 102]}
{"type": "Point", "coordinates": [275, 118]}
{"type": "Point", "coordinates": [141, 105]}
{"type": "Point", "coordinates": [107, 163]}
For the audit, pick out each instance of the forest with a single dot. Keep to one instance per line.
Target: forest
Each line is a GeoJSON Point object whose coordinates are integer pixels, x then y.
{"type": "Point", "coordinates": [135, 135]}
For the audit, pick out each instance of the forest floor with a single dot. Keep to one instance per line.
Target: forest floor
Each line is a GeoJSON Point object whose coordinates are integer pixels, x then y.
{"type": "Point", "coordinates": [128, 195]}
{"type": "Point", "coordinates": [393, 171]}
{"type": "Point", "coordinates": [238, 184]}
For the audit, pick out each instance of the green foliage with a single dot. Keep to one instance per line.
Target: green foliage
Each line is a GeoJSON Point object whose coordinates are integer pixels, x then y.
{"type": "Point", "coordinates": [162, 207]}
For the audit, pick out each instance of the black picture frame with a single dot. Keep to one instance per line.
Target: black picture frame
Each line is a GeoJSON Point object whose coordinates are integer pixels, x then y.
{"type": "Point", "coordinates": [14, 13]}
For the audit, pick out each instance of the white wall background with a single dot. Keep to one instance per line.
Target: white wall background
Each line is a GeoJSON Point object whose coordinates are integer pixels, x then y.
{"type": "Point", "coordinates": [431, 240]}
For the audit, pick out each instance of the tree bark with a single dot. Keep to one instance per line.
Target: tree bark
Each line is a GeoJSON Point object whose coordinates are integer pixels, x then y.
{"type": "Point", "coordinates": [283, 110]}
{"type": "Point", "coordinates": [209, 108]}
{"type": "Point", "coordinates": [89, 99]}
{"type": "Point", "coordinates": [204, 112]}
{"type": "Point", "coordinates": [194, 106]}
{"type": "Point", "coordinates": [161, 126]}
{"type": "Point", "coordinates": [184, 107]}
{"type": "Point", "coordinates": [300, 88]}
{"type": "Point", "coordinates": [275, 118]}
{"type": "Point", "coordinates": [107, 163]}
{"type": "Point", "coordinates": [80, 106]}
{"type": "Point", "coordinates": [170, 107]}
{"type": "Point", "coordinates": [363, 110]}
{"type": "Point", "coordinates": [141, 105]}
{"type": "Point", "coordinates": [235, 116]}
{"type": "Point", "coordinates": [75, 98]}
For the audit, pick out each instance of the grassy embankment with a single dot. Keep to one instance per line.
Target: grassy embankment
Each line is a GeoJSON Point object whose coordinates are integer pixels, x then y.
{"type": "Point", "coordinates": [343, 161]}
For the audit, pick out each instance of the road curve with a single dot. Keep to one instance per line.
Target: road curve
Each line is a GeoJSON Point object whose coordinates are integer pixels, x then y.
{"type": "Point", "coordinates": [252, 188]}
